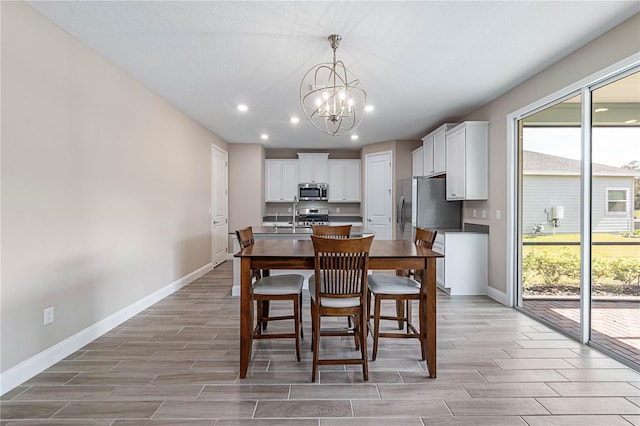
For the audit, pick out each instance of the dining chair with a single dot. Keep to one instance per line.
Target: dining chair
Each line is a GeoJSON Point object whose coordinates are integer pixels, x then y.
{"type": "Point", "coordinates": [278, 287]}
{"type": "Point", "coordinates": [403, 289]}
{"type": "Point", "coordinates": [332, 231]}
{"type": "Point", "coordinates": [338, 288]}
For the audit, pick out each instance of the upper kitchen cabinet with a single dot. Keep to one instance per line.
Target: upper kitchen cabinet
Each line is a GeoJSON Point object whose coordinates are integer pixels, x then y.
{"type": "Point", "coordinates": [281, 180]}
{"type": "Point", "coordinates": [313, 167]}
{"type": "Point", "coordinates": [417, 162]}
{"type": "Point", "coordinates": [344, 181]}
{"type": "Point", "coordinates": [434, 147]}
{"type": "Point", "coordinates": [466, 159]}
{"type": "Point", "coordinates": [427, 155]}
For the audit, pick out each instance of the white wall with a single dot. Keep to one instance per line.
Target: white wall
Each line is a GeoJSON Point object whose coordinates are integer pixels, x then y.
{"type": "Point", "coordinates": [105, 188]}
{"type": "Point", "coordinates": [615, 45]}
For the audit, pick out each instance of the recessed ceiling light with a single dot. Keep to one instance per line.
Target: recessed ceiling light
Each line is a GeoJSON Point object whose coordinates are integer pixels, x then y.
{"type": "Point", "coordinates": [630, 121]}
{"type": "Point", "coordinates": [294, 120]}
{"type": "Point", "coordinates": [602, 109]}
{"type": "Point", "coordinates": [369, 108]}
{"type": "Point", "coordinates": [264, 136]}
{"type": "Point", "coordinates": [354, 137]}
{"type": "Point", "coordinates": [242, 107]}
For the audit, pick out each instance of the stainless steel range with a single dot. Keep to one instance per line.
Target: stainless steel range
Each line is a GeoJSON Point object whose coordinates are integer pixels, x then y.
{"type": "Point", "coordinates": [308, 217]}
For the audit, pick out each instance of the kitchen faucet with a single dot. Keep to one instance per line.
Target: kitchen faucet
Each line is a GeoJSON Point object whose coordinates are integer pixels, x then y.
{"type": "Point", "coordinates": [293, 221]}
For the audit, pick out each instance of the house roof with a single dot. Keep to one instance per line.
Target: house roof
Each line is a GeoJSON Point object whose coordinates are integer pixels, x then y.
{"type": "Point", "coordinates": [537, 163]}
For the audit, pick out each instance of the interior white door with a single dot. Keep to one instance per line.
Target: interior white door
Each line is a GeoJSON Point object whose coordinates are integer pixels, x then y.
{"type": "Point", "coordinates": [378, 190]}
{"type": "Point", "coordinates": [219, 194]}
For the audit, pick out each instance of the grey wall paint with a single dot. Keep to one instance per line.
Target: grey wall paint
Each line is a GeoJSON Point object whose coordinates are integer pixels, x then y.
{"type": "Point", "coordinates": [105, 187]}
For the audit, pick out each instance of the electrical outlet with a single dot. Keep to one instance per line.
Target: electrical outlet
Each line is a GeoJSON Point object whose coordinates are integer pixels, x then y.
{"type": "Point", "coordinates": [48, 315]}
{"type": "Point", "coordinates": [484, 213]}
{"type": "Point", "coordinates": [498, 214]}
{"type": "Point", "coordinates": [475, 212]}
{"type": "Point", "coordinates": [289, 210]}
{"type": "Point", "coordinates": [337, 209]}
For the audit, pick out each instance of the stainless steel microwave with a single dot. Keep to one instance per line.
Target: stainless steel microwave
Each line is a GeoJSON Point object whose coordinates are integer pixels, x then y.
{"type": "Point", "coordinates": [312, 191]}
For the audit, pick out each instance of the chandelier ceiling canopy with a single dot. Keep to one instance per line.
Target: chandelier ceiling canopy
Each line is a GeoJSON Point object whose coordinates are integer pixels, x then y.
{"type": "Point", "coordinates": [331, 96]}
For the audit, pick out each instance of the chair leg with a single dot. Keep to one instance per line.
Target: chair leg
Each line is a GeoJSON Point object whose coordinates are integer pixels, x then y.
{"type": "Point", "coordinates": [400, 313]}
{"type": "Point", "coordinates": [363, 346]}
{"type": "Point", "coordinates": [313, 323]}
{"type": "Point", "coordinates": [356, 331]}
{"type": "Point", "coordinates": [316, 342]}
{"type": "Point", "coordinates": [408, 317]}
{"type": "Point", "coordinates": [300, 315]}
{"type": "Point", "coordinates": [260, 324]}
{"type": "Point", "coordinates": [296, 325]}
{"type": "Point", "coordinates": [376, 327]}
{"type": "Point", "coordinates": [265, 312]}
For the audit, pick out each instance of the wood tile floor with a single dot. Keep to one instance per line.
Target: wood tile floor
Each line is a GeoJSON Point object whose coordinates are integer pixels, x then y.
{"type": "Point", "coordinates": [177, 364]}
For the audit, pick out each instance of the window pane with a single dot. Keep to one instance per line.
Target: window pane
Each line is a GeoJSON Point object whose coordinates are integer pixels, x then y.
{"type": "Point", "coordinates": [615, 263]}
{"type": "Point", "coordinates": [617, 195]}
{"type": "Point", "coordinates": [550, 214]}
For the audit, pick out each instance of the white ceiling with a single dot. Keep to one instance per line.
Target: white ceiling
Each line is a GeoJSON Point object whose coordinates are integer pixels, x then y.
{"type": "Point", "coordinates": [421, 63]}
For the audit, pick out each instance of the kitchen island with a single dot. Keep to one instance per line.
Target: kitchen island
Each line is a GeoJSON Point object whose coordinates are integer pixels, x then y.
{"type": "Point", "coordinates": [281, 232]}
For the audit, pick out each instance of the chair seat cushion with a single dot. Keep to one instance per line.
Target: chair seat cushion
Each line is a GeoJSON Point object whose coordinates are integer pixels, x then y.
{"type": "Point", "coordinates": [279, 284]}
{"type": "Point", "coordinates": [392, 284]}
{"type": "Point", "coordinates": [332, 302]}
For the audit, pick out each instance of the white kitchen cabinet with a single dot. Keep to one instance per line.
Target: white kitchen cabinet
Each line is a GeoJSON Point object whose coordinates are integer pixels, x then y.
{"type": "Point", "coordinates": [417, 162]}
{"type": "Point", "coordinates": [427, 155]}
{"type": "Point", "coordinates": [463, 270]}
{"type": "Point", "coordinates": [434, 147]}
{"type": "Point", "coordinates": [313, 167]}
{"type": "Point", "coordinates": [281, 180]}
{"type": "Point", "coordinates": [440, 149]}
{"type": "Point", "coordinates": [344, 181]}
{"type": "Point", "coordinates": [467, 162]}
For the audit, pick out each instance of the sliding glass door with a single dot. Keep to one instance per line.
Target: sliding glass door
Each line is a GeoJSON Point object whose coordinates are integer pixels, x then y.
{"type": "Point", "coordinates": [578, 218]}
{"type": "Point", "coordinates": [615, 225]}
{"type": "Point", "coordinates": [550, 220]}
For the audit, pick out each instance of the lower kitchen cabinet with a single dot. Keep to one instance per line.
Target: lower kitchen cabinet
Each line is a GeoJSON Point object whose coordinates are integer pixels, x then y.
{"type": "Point", "coordinates": [463, 270]}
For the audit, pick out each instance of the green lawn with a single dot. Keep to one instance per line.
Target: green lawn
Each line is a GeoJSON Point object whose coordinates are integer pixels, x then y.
{"type": "Point", "coordinates": [632, 251]}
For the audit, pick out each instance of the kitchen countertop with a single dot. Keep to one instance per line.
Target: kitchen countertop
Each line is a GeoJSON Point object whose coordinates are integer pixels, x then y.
{"type": "Point", "coordinates": [270, 230]}
{"type": "Point", "coordinates": [332, 218]}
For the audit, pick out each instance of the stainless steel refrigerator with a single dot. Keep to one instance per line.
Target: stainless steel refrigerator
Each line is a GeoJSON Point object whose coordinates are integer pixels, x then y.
{"type": "Point", "coordinates": [422, 202]}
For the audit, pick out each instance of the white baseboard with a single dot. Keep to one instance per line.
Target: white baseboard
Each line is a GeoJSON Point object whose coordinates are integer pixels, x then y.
{"type": "Point", "coordinates": [498, 296]}
{"type": "Point", "coordinates": [27, 369]}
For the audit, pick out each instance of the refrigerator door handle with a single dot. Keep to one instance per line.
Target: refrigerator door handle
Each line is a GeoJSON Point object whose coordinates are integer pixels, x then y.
{"type": "Point", "coordinates": [400, 215]}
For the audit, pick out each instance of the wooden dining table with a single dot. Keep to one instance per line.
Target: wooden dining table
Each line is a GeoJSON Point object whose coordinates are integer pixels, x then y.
{"type": "Point", "coordinates": [298, 254]}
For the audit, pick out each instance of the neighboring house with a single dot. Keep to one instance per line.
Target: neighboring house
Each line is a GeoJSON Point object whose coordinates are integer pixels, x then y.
{"type": "Point", "coordinates": [550, 181]}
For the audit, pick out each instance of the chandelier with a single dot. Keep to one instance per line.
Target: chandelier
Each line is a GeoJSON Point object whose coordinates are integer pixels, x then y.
{"type": "Point", "coordinates": [331, 96]}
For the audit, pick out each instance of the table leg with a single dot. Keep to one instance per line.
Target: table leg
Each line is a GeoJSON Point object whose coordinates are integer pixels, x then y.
{"type": "Point", "coordinates": [429, 277]}
{"type": "Point", "coordinates": [246, 315]}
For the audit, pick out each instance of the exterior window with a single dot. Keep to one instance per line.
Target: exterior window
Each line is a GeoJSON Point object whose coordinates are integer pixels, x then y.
{"type": "Point", "coordinates": [617, 201]}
